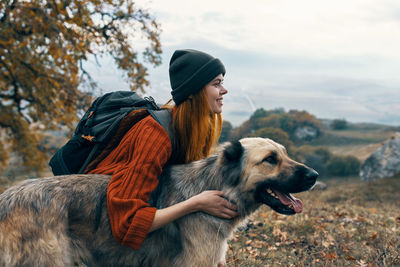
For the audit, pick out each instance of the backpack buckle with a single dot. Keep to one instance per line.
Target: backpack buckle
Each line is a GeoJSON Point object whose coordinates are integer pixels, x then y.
{"type": "Point", "coordinates": [151, 101]}
{"type": "Point", "coordinates": [89, 138]}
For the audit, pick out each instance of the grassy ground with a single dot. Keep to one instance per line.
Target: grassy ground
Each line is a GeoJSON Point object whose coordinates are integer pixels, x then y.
{"type": "Point", "coordinates": [361, 152]}
{"type": "Point", "coordinates": [351, 137]}
{"type": "Point", "coordinates": [352, 223]}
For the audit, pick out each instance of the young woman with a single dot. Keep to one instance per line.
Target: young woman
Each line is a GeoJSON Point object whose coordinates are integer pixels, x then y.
{"type": "Point", "coordinates": [197, 90]}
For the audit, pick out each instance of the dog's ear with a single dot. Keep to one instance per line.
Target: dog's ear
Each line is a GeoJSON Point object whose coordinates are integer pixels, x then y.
{"type": "Point", "coordinates": [231, 171]}
{"type": "Point", "coordinates": [234, 151]}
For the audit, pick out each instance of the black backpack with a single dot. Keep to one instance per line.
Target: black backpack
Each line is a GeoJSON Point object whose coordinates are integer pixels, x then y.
{"type": "Point", "coordinates": [100, 130]}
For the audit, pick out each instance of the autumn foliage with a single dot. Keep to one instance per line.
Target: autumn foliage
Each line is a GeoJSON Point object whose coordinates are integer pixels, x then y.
{"type": "Point", "coordinates": [42, 47]}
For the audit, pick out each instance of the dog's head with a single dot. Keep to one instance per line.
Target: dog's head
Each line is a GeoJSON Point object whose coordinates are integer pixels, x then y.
{"type": "Point", "coordinates": [264, 174]}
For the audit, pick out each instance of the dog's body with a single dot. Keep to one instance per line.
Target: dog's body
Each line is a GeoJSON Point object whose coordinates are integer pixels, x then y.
{"type": "Point", "coordinates": [62, 221]}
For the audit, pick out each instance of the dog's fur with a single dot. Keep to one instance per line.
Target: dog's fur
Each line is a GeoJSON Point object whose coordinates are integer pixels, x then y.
{"type": "Point", "coordinates": [63, 221]}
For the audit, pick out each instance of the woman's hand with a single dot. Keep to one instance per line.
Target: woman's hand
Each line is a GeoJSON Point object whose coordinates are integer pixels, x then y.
{"type": "Point", "coordinates": [213, 203]}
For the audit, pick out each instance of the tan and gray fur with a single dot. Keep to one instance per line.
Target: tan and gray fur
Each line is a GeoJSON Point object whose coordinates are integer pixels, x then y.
{"type": "Point", "coordinates": [63, 221]}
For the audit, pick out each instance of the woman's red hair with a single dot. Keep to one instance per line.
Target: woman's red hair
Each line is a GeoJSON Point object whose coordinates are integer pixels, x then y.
{"type": "Point", "coordinates": [196, 129]}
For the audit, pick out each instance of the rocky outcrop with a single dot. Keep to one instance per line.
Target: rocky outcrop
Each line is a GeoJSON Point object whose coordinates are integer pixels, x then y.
{"type": "Point", "coordinates": [306, 133]}
{"type": "Point", "coordinates": [384, 162]}
{"type": "Point", "coordinates": [319, 186]}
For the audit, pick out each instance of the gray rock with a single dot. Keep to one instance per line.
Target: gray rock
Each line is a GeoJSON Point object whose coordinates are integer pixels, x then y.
{"type": "Point", "coordinates": [306, 133]}
{"type": "Point", "coordinates": [319, 186]}
{"type": "Point", "coordinates": [384, 162]}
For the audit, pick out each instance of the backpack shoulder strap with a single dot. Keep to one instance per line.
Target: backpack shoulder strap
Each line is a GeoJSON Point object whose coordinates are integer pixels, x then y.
{"type": "Point", "coordinates": [164, 118]}
{"type": "Point", "coordinates": [129, 120]}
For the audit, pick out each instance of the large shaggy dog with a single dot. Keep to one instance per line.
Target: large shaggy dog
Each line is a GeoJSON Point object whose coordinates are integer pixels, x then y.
{"type": "Point", "coordinates": [63, 221]}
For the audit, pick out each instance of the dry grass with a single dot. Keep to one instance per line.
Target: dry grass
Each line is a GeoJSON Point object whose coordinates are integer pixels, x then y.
{"type": "Point", "coordinates": [352, 223]}
{"type": "Point", "coordinates": [361, 152]}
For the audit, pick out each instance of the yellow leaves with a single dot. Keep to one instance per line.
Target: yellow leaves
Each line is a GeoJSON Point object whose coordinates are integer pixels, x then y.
{"type": "Point", "coordinates": [328, 241]}
{"type": "Point", "coordinates": [4, 42]}
{"type": "Point", "coordinates": [264, 215]}
{"type": "Point", "coordinates": [281, 234]}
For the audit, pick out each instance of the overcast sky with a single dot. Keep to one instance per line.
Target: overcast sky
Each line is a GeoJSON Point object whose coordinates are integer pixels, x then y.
{"type": "Point", "coordinates": [335, 59]}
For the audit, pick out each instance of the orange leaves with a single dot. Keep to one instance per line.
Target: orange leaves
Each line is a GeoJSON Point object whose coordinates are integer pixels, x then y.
{"type": "Point", "coordinates": [42, 46]}
{"type": "Point", "coordinates": [350, 258]}
{"type": "Point", "coordinates": [373, 236]}
{"type": "Point", "coordinates": [329, 256]}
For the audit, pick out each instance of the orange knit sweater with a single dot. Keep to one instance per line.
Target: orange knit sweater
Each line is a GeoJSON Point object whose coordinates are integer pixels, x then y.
{"type": "Point", "coordinates": [135, 165]}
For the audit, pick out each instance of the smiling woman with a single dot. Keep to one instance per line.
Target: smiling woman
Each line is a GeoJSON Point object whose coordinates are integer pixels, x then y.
{"type": "Point", "coordinates": [137, 162]}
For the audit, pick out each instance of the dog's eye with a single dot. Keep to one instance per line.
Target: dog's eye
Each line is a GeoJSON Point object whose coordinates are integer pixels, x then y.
{"type": "Point", "coordinates": [271, 159]}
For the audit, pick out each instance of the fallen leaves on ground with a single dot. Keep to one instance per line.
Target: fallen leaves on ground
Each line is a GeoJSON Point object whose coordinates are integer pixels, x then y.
{"type": "Point", "coordinates": [341, 226]}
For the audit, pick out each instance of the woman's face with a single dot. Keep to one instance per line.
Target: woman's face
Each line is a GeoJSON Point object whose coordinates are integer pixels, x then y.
{"type": "Point", "coordinates": [215, 90]}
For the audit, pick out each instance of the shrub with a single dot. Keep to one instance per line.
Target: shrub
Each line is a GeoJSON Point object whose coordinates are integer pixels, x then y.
{"type": "Point", "coordinates": [226, 132]}
{"type": "Point", "coordinates": [343, 166]}
{"type": "Point", "coordinates": [339, 124]}
{"type": "Point", "coordinates": [324, 153]}
{"type": "Point", "coordinates": [316, 162]}
{"type": "Point", "coordinates": [259, 113]}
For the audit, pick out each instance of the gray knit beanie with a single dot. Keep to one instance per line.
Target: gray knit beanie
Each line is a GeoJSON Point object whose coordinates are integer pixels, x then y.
{"type": "Point", "coordinates": [190, 70]}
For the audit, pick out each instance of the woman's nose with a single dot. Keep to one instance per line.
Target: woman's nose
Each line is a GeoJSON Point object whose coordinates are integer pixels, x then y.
{"type": "Point", "coordinates": [223, 91]}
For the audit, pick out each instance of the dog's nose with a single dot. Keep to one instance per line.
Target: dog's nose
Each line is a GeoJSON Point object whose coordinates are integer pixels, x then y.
{"type": "Point", "coordinates": [310, 177]}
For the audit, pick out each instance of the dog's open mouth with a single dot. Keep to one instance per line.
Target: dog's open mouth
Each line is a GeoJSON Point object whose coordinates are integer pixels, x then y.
{"type": "Point", "coordinates": [281, 202]}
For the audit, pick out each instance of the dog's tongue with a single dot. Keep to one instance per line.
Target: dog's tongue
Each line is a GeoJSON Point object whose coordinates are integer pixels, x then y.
{"type": "Point", "coordinates": [288, 199]}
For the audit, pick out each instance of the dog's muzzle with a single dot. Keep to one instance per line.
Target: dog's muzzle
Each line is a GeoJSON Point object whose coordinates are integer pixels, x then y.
{"type": "Point", "coordinates": [276, 193]}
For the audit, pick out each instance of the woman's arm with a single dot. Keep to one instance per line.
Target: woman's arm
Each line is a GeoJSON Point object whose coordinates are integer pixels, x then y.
{"type": "Point", "coordinates": [210, 202]}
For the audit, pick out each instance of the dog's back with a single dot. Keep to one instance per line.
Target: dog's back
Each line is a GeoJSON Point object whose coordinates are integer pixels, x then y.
{"type": "Point", "coordinates": [63, 221]}
{"type": "Point", "coordinates": [36, 215]}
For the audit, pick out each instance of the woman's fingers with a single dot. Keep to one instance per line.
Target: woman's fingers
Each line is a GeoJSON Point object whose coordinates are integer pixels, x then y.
{"type": "Point", "coordinates": [230, 206]}
{"type": "Point", "coordinates": [226, 203]}
{"type": "Point", "coordinates": [231, 213]}
{"type": "Point", "coordinates": [215, 203]}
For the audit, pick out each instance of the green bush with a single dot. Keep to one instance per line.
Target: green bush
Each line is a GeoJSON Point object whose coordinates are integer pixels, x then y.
{"type": "Point", "coordinates": [343, 166]}
{"type": "Point", "coordinates": [316, 162]}
{"type": "Point", "coordinates": [325, 163]}
{"type": "Point", "coordinates": [226, 132]}
{"type": "Point", "coordinates": [339, 124]}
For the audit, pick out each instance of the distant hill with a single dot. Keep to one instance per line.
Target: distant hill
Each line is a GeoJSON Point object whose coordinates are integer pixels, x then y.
{"type": "Point", "coordinates": [357, 139]}
{"type": "Point", "coordinates": [339, 135]}
{"type": "Point", "coordinates": [334, 147]}
{"type": "Point", "coordinates": [301, 132]}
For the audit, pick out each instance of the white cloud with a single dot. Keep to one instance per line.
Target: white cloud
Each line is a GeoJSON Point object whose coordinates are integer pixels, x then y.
{"type": "Point", "coordinates": [335, 59]}
{"type": "Point", "coordinates": [313, 27]}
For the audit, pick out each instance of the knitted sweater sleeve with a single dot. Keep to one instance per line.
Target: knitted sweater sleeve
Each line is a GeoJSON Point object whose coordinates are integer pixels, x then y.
{"type": "Point", "coordinates": [136, 164]}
